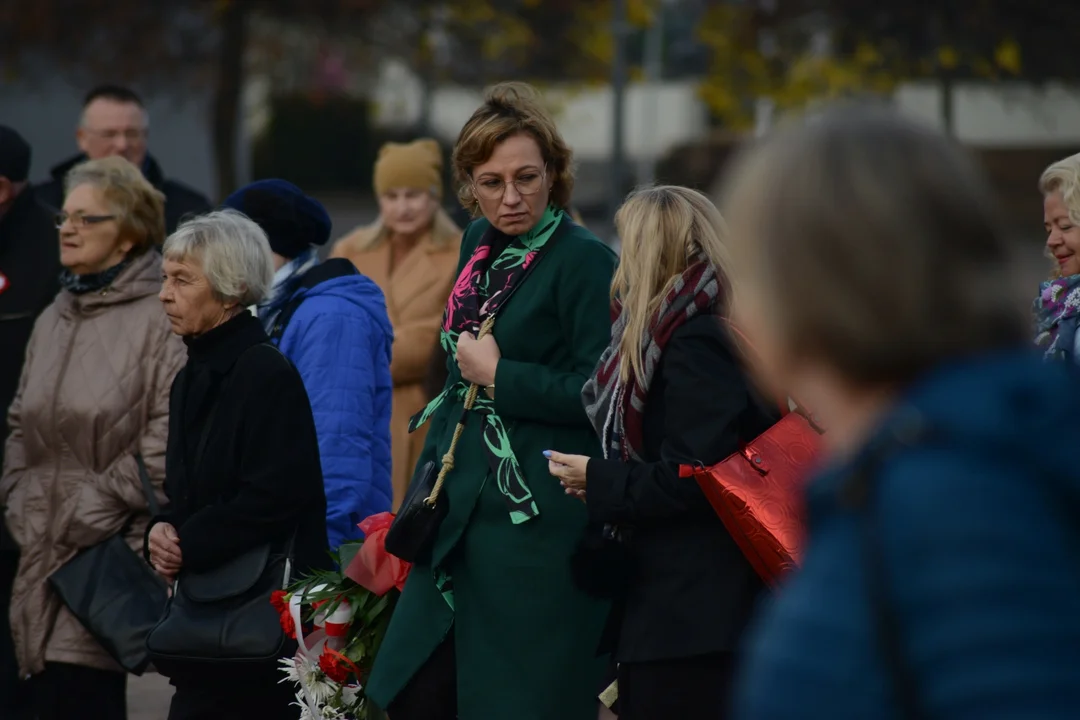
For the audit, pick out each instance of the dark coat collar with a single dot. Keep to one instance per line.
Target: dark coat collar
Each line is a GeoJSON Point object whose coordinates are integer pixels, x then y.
{"type": "Point", "coordinates": [220, 347]}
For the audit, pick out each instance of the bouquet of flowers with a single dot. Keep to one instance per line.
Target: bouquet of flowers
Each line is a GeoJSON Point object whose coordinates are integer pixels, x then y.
{"type": "Point", "coordinates": [338, 619]}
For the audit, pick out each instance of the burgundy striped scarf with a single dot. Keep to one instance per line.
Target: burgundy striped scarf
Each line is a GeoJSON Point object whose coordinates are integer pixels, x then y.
{"type": "Point", "coordinates": [617, 409]}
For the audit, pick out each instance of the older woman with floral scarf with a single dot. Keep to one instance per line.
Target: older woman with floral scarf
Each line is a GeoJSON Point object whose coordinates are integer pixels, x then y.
{"type": "Point", "coordinates": [331, 322]}
{"type": "Point", "coordinates": [1057, 308]}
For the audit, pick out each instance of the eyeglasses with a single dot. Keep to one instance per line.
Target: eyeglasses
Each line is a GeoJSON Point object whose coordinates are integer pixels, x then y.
{"type": "Point", "coordinates": [80, 220]}
{"type": "Point", "coordinates": [130, 134]}
{"type": "Point", "coordinates": [528, 183]}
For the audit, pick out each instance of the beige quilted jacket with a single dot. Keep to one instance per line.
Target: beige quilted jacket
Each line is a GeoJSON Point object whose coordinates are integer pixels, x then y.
{"type": "Point", "coordinates": [94, 391]}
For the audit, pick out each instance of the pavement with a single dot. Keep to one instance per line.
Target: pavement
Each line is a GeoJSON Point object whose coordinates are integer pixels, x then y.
{"type": "Point", "coordinates": [148, 697]}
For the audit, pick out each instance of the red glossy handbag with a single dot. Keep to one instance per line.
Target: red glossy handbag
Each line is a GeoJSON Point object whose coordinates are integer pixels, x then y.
{"type": "Point", "coordinates": [758, 491]}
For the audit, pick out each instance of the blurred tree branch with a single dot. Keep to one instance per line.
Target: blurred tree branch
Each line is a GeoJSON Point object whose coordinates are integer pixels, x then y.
{"type": "Point", "coordinates": [800, 51]}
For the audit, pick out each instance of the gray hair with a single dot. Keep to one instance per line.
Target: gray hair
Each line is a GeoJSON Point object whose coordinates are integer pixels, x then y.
{"type": "Point", "coordinates": [233, 251]}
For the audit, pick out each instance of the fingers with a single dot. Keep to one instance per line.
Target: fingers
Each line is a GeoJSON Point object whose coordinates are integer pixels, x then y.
{"type": "Point", "coordinates": [167, 570]}
{"type": "Point", "coordinates": [556, 457]}
{"type": "Point", "coordinates": [166, 552]}
{"type": "Point", "coordinates": [170, 533]}
{"type": "Point", "coordinates": [579, 494]}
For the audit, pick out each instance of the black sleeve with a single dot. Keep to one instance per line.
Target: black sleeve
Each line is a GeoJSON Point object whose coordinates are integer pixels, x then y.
{"type": "Point", "coordinates": [705, 394]}
{"type": "Point", "coordinates": [279, 470]}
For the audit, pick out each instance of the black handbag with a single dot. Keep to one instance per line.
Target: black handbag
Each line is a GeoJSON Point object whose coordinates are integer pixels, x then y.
{"type": "Point", "coordinates": [602, 564]}
{"type": "Point", "coordinates": [224, 616]}
{"type": "Point", "coordinates": [412, 533]}
{"type": "Point", "coordinates": [116, 596]}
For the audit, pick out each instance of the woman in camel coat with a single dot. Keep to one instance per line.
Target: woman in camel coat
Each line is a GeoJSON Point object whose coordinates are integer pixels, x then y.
{"type": "Point", "coordinates": [411, 252]}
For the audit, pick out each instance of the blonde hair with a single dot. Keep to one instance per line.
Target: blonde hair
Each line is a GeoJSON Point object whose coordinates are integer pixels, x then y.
{"type": "Point", "coordinates": [1062, 177]}
{"type": "Point", "coordinates": [663, 230]}
{"type": "Point", "coordinates": [509, 109]}
{"type": "Point", "coordinates": [872, 243]}
{"type": "Point", "coordinates": [139, 206]}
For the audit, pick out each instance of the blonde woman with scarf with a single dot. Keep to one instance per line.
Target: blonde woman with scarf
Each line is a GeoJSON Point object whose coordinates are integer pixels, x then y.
{"type": "Point", "coordinates": [669, 390]}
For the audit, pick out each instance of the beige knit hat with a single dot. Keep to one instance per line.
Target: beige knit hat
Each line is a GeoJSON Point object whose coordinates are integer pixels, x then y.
{"type": "Point", "coordinates": [413, 165]}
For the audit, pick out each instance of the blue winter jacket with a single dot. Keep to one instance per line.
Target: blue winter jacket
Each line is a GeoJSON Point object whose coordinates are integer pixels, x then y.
{"type": "Point", "coordinates": [980, 535]}
{"type": "Point", "coordinates": [339, 338]}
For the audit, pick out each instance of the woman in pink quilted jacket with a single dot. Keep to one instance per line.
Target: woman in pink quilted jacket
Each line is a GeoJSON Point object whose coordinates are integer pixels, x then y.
{"type": "Point", "coordinates": [94, 394]}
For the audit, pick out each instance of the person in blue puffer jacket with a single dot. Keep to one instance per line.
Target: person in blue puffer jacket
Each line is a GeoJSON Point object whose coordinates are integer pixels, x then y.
{"type": "Point", "coordinates": [940, 576]}
{"type": "Point", "coordinates": [331, 322]}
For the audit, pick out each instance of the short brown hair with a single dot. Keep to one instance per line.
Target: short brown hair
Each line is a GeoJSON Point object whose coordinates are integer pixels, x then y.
{"type": "Point", "coordinates": [510, 109]}
{"type": "Point", "coordinates": [872, 243]}
{"type": "Point", "coordinates": [138, 205]}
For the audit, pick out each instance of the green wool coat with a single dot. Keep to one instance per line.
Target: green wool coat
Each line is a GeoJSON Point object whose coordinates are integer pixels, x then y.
{"type": "Point", "coordinates": [525, 637]}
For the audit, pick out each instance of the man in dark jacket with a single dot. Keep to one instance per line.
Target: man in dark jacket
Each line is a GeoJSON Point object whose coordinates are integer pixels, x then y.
{"type": "Point", "coordinates": [114, 122]}
{"type": "Point", "coordinates": [29, 280]}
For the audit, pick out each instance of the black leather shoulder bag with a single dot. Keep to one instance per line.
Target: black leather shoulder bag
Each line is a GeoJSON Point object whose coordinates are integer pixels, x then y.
{"type": "Point", "coordinates": [116, 596]}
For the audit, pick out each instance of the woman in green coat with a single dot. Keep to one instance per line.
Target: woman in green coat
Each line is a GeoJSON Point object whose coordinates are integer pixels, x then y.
{"type": "Point", "coordinates": [492, 626]}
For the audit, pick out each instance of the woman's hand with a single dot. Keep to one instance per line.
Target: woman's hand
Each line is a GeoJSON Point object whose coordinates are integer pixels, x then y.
{"type": "Point", "coordinates": [570, 469]}
{"type": "Point", "coordinates": [165, 553]}
{"type": "Point", "coordinates": [478, 359]}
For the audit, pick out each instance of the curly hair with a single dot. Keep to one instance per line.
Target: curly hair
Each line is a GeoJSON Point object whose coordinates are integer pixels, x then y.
{"type": "Point", "coordinates": [509, 109]}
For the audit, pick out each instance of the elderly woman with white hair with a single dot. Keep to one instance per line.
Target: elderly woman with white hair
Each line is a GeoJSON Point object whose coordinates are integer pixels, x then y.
{"type": "Point", "coordinates": [1057, 307]}
{"type": "Point", "coordinates": [242, 463]}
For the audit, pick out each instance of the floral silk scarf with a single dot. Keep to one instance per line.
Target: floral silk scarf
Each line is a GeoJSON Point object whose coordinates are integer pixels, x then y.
{"type": "Point", "coordinates": [483, 286]}
{"type": "Point", "coordinates": [1057, 309]}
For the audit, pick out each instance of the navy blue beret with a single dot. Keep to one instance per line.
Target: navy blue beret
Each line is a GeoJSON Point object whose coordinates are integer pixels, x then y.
{"type": "Point", "coordinates": [291, 220]}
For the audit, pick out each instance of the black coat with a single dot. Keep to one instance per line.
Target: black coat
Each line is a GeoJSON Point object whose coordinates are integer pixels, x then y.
{"type": "Point", "coordinates": [30, 270]}
{"type": "Point", "coordinates": [259, 477]}
{"type": "Point", "coordinates": [180, 200]}
{"type": "Point", "coordinates": [692, 591]}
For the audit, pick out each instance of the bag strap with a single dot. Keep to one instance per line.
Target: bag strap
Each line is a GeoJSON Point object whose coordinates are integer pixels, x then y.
{"type": "Point", "coordinates": [208, 421]}
{"type": "Point", "coordinates": [326, 270]}
{"type": "Point", "coordinates": [147, 486]}
{"type": "Point", "coordinates": [861, 491]}
{"type": "Point", "coordinates": [470, 400]}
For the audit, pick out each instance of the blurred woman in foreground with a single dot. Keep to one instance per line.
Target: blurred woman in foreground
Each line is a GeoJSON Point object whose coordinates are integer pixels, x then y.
{"type": "Point", "coordinates": [939, 577]}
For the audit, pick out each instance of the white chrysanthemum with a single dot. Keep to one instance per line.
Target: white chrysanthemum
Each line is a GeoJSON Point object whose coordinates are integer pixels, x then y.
{"type": "Point", "coordinates": [318, 687]}
{"type": "Point", "coordinates": [350, 695]}
{"type": "Point", "coordinates": [305, 709]}
{"type": "Point", "coordinates": [288, 666]}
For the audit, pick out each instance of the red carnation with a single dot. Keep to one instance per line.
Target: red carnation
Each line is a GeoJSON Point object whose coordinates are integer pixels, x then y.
{"type": "Point", "coordinates": [280, 600]}
{"type": "Point", "coordinates": [332, 667]}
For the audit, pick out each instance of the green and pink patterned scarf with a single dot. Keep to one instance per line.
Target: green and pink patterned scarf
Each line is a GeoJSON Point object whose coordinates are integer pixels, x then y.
{"type": "Point", "coordinates": [483, 286]}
